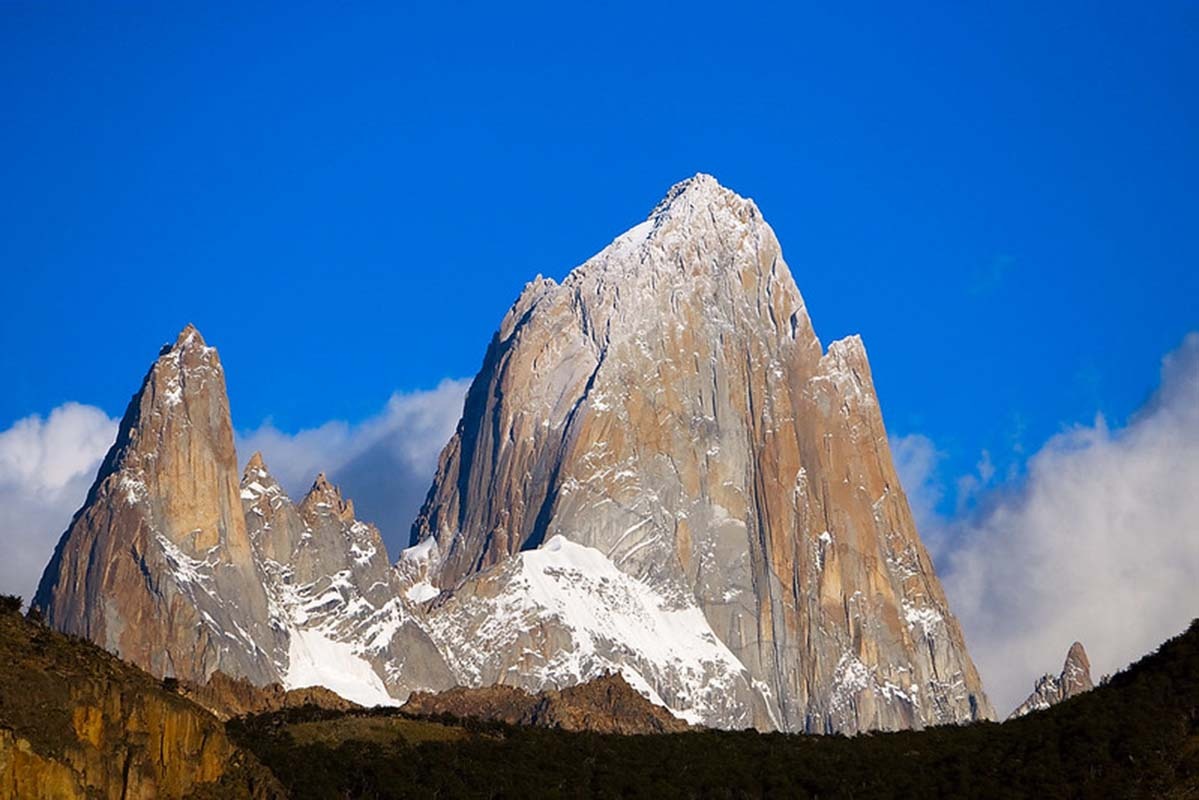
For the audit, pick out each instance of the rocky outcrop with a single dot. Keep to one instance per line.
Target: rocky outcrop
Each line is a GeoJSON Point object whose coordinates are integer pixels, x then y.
{"type": "Point", "coordinates": [606, 704]}
{"type": "Point", "coordinates": [225, 697]}
{"type": "Point", "coordinates": [1049, 690]}
{"type": "Point", "coordinates": [75, 722]}
{"type": "Point", "coordinates": [149, 563]}
{"type": "Point", "coordinates": [669, 407]}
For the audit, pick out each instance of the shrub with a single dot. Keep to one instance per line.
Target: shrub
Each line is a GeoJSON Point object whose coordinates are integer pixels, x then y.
{"type": "Point", "coordinates": [10, 604]}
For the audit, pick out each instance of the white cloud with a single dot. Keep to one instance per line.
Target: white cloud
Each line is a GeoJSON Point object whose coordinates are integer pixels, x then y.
{"type": "Point", "coordinates": [384, 464]}
{"type": "Point", "coordinates": [46, 467]}
{"type": "Point", "coordinates": [1099, 542]}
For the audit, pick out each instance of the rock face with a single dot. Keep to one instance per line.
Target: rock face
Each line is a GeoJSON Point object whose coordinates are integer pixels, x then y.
{"type": "Point", "coordinates": [606, 704]}
{"type": "Point", "coordinates": [669, 408]}
{"type": "Point", "coordinates": [1049, 690]}
{"type": "Point", "coordinates": [76, 722]}
{"type": "Point", "coordinates": [147, 565]}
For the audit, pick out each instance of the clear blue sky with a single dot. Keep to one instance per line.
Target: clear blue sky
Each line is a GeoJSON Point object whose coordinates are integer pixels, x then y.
{"type": "Point", "coordinates": [1003, 202]}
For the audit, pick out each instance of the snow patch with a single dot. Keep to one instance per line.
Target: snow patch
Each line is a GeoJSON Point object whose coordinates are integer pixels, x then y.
{"type": "Point", "coordinates": [315, 660]}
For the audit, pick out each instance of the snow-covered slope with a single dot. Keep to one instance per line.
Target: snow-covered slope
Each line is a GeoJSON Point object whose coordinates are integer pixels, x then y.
{"type": "Point", "coordinates": [563, 614]}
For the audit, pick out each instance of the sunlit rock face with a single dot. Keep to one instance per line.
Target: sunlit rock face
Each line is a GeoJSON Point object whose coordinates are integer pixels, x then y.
{"type": "Point", "coordinates": [669, 407]}
{"type": "Point", "coordinates": [157, 566]}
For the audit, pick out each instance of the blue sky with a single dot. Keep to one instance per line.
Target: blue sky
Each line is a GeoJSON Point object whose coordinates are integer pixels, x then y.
{"type": "Point", "coordinates": [1002, 201]}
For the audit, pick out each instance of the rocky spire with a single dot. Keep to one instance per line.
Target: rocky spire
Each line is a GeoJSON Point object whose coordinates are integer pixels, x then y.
{"type": "Point", "coordinates": [669, 405]}
{"type": "Point", "coordinates": [325, 499]}
{"type": "Point", "coordinates": [1049, 690]}
{"type": "Point", "coordinates": [149, 563]}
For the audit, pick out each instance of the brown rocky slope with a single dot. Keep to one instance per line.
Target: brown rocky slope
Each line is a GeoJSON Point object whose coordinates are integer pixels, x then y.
{"type": "Point", "coordinates": [226, 697]}
{"type": "Point", "coordinates": [604, 705]}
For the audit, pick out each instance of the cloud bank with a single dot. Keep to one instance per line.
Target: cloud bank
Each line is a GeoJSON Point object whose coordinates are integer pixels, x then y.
{"type": "Point", "coordinates": [46, 468]}
{"type": "Point", "coordinates": [1099, 542]}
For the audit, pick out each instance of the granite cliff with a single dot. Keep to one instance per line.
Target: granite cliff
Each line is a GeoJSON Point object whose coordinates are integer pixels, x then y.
{"type": "Point", "coordinates": [668, 409]}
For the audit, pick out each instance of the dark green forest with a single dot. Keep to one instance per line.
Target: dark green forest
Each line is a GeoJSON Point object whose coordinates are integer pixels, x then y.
{"type": "Point", "coordinates": [1135, 737]}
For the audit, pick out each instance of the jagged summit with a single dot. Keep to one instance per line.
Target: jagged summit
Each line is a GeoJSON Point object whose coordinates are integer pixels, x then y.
{"type": "Point", "coordinates": [1049, 690]}
{"type": "Point", "coordinates": [256, 463]}
{"type": "Point", "coordinates": [162, 535]}
{"type": "Point", "coordinates": [326, 498]}
{"type": "Point", "coordinates": [701, 188]}
{"type": "Point", "coordinates": [189, 337]}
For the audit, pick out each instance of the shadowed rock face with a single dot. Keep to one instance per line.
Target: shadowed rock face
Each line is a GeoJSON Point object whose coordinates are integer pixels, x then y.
{"type": "Point", "coordinates": [670, 406]}
{"type": "Point", "coordinates": [1049, 690]}
{"type": "Point", "coordinates": [147, 565]}
{"type": "Point", "coordinates": [604, 705]}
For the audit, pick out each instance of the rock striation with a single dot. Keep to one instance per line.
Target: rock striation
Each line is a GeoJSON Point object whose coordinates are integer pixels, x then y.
{"type": "Point", "coordinates": [669, 407]}
{"type": "Point", "coordinates": [1049, 690]}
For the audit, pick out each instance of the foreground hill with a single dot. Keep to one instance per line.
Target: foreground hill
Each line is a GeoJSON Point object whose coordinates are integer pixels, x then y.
{"type": "Point", "coordinates": [1135, 737]}
{"type": "Point", "coordinates": [76, 722]}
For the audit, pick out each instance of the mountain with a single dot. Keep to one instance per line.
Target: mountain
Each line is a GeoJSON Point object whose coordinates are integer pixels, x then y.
{"type": "Point", "coordinates": [76, 722]}
{"type": "Point", "coordinates": [157, 566]}
{"type": "Point", "coordinates": [660, 470]}
{"type": "Point", "coordinates": [604, 705]}
{"type": "Point", "coordinates": [1074, 679]}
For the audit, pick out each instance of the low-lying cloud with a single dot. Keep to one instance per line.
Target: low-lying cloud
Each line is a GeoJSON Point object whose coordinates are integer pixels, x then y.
{"type": "Point", "coordinates": [46, 467]}
{"type": "Point", "coordinates": [1099, 541]}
